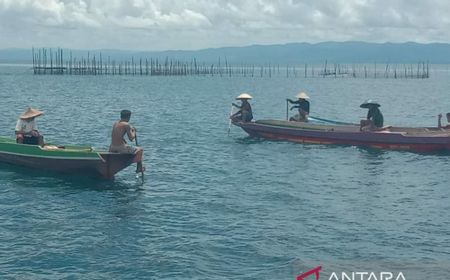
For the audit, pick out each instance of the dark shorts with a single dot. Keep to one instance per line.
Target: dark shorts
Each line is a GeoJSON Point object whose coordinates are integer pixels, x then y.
{"type": "Point", "coordinates": [30, 140]}
{"type": "Point", "coordinates": [245, 116]}
{"type": "Point", "coordinates": [123, 149]}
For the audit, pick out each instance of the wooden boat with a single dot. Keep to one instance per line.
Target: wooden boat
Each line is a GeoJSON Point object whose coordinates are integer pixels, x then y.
{"type": "Point", "coordinates": [77, 160]}
{"type": "Point", "coordinates": [419, 139]}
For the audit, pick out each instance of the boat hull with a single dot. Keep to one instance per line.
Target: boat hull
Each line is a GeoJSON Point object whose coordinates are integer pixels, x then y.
{"type": "Point", "coordinates": [75, 161]}
{"type": "Point", "coordinates": [420, 141]}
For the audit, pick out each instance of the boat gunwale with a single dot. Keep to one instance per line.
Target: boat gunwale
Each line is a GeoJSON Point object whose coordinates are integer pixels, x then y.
{"type": "Point", "coordinates": [96, 157]}
{"type": "Point", "coordinates": [431, 133]}
{"type": "Point", "coordinates": [10, 147]}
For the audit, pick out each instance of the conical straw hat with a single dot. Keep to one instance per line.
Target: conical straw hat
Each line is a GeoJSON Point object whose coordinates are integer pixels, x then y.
{"type": "Point", "coordinates": [31, 113]}
{"type": "Point", "coordinates": [369, 103]}
{"type": "Point", "coordinates": [302, 95]}
{"type": "Point", "coordinates": [244, 96]}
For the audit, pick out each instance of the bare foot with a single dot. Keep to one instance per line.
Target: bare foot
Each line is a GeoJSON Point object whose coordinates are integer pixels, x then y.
{"type": "Point", "coordinates": [140, 168]}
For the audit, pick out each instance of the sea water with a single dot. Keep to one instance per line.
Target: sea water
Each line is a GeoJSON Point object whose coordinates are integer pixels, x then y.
{"type": "Point", "coordinates": [219, 206]}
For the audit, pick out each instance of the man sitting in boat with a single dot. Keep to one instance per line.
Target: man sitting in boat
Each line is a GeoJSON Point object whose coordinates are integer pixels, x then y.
{"type": "Point", "coordinates": [118, 143]}
{"type": "Point", "coordinates": [448, 121]}
{"type": "Point", "coordinates": [245, 110]}
{"type": "Point", "coordinates": [303, 107]}
{"type": "Point", "coordinates": [374, 119]}
{"type": "Point", "coordinates": [26, 128]}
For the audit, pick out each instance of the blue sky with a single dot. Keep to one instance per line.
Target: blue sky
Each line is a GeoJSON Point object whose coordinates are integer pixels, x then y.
{"type": "Point", "coordinates": [197, 24]}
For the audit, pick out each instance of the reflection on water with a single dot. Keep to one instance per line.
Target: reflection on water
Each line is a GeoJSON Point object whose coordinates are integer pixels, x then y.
{"type": "Point", "coordinates": [373, 152]}
{"type": "Point", "coordinates": [250, 140]}
{"type": "Point", "coordinates": [29, 177]}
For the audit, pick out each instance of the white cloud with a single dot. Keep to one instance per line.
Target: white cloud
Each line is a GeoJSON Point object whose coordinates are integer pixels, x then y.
{"type": "Point", "coordinates": [175, 24]}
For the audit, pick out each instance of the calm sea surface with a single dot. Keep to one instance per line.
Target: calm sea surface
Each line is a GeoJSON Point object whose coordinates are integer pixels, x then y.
{"type": "Point", "coordinates": [223, 207]}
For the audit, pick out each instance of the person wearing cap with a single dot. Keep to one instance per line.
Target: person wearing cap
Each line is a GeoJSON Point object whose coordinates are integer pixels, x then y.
{"type": "Point", "coordinates": [245, 110]}
{"type": "Point", "coordinates": [26, 128]}
{"type": "Point", "coordinates": [303, 107]}
{"type": "Point", "coordinates": [448, 120]}
{"type": "Point", "coordinates": [374, 119]}
{"type": "Point", "coordinates": [118, 143]}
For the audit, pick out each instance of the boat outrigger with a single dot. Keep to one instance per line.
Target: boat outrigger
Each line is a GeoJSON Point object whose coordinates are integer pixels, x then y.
{"type": "Point", "coordinates": [78, 160]}
{"type": "Point", "coordinates": [418, 139]}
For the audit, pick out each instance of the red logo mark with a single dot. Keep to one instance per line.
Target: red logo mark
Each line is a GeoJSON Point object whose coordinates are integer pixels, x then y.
{"type": "Point", "coordinates": [311, 272]}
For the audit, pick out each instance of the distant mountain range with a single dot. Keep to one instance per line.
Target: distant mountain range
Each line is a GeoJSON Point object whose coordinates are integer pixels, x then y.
{"type": "Point", "coordinates": [292, 53]}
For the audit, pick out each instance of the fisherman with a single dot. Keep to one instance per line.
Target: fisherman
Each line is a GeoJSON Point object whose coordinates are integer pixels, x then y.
{"type": "Point", "coordinates": [245, 110]}
{"type": "Point", "coordinates": [448, 121]}
{"type": "Point", "coordinates": [374, 119]}
{"type": "Point", "coordinates": [303, 107]}
{"type": "Point", "coordinates": [26, 128]}
{"type": "Point", "coordinates": [118, 143]}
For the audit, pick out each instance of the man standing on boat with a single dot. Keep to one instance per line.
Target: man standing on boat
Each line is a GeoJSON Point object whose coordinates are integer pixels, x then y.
{"type": "Point", "coordinates": [118, 143]}
{"type": "Point", "coordinates": [303, 107]}
{"type": "Point", "coordinates": [26, 128]}
{"type": "Point", "coordinates": [245, 110]}
{"type": "Point", "coordinates": [374, 119]}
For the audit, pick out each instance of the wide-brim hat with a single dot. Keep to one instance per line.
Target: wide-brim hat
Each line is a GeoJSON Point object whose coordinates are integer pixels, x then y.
{"type": "Point", "coordinates": [244, 96]}
{"type": "Point", "coordinates": [31, 113]}
{"type": "Point", "coordinates": [302, 95]}
{"type": "Point", "coordinates": [369, 103]}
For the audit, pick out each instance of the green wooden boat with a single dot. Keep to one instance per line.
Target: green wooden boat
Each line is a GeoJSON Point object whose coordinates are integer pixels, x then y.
{"type": "Point", "coordinates": [78, 160]}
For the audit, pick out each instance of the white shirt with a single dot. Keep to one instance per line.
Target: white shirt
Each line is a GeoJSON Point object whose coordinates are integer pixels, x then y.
{"type": "Point", "coordinates": [26, 126]}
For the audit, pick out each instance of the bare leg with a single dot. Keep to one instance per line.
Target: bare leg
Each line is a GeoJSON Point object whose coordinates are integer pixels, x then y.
{"type": "Point", "coordinates": [138, 159]}
{"type": "Point", "coordinates": [41, 140]}
{"type": "Point", "coordinates": [366, 125]}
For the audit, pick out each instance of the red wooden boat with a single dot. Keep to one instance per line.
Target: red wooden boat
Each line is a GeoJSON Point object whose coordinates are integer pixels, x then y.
{"type": "Point", "coordinates": [417, 139]}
